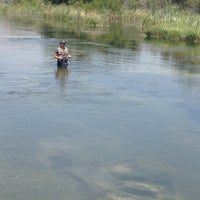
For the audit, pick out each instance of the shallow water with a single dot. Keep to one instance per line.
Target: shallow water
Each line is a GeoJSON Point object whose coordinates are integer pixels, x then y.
{"type": "Point", "coordinates": [122, 123]}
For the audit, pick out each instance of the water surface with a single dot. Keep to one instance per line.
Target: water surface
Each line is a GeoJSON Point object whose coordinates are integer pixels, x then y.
{"type": "Point", "coordinates": [122, 123]}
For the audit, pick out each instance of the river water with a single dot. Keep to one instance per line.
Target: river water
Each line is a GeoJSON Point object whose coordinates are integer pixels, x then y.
{"type": "Point", "coordinates": [122, 123]}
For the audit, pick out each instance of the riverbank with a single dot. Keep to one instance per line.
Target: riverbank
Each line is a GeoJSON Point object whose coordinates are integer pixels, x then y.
{"type": "Point", "coordinates": [169, 23]}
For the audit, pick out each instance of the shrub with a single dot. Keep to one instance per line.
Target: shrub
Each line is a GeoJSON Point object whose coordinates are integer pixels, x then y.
{"type": "Point", "coordinates": [192, 39]}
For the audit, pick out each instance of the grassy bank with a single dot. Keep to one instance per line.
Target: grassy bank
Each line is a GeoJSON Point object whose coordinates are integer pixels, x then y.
{"type": "Point", "coordinates": [173, 24]}
{"type": "Point", "coordinates": [74, 14]}
{"type": "Point", "coordinates": [168, 23]}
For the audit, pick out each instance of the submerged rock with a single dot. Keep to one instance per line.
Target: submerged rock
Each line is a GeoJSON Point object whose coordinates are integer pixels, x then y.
{"type": "Point", "coordinates": [121, 169]}
{"type": "Point", "coordinates": [116, 197]}
{"type": "Point", "coordinates": [122, 172]}
{"type": "Point", "coordinates": [141, 189]}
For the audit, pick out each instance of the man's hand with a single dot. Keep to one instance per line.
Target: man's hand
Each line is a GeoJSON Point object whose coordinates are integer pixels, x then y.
{"type": "Point", "coordinates": [69, 56]}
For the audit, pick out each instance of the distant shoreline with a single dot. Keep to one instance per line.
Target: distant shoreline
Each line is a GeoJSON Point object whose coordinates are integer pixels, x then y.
{"type": "Point", "coordinates": [170, 24]}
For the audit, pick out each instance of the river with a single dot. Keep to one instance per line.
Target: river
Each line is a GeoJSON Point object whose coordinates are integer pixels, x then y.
{"type": "Point", "coordinates": [122, 123]}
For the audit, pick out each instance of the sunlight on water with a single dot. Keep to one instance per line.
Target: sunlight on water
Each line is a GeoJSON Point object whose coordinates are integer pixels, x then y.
{"type": "Point", "coordinates": [121, 123]}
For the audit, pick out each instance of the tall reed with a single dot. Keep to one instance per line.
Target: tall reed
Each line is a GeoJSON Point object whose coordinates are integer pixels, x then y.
{"type": "Point", "coordinates": [168, 23]}
{"type": "Point", "coordinates": [173, 24]}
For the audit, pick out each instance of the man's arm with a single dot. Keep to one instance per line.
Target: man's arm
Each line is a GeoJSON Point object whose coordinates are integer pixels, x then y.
{"type": "Point", "coordinates": [56, 56]}
{"type": "Point", "coordinates": [68, 55]}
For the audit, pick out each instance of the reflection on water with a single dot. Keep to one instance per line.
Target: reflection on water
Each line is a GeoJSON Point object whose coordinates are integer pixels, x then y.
{"type": "Point", "coordinates": [116, 34]}
{"type": "Point", "coordinates": [186, 59]}
{"type": "Point", "coordinates": [61, 75]}
{"type": "Point", "coordinates": [121, 123]}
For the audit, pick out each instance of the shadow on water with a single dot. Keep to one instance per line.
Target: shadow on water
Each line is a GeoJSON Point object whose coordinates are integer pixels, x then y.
{"type": "Point", "coordinates": [62, 74]}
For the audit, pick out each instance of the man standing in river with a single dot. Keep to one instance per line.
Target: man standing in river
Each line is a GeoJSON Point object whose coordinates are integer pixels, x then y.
{"type": "Point", "coordinates": [62, 55]}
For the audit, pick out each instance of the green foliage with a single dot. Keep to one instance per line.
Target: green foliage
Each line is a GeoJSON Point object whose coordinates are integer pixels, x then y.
{"type": "Point", "coordinates": [173, 24]}
{"type": "Point", "coordinates": [116, 5]}
{"type": "Point", "coordinates": [56, 1]}
{"type": "Point", "coordinates": [157, 19]}
{"type": "Point", "coordinates": [30, 3]}
{"type": "Point", "coordinates": [3, 8]}
{"type": "Point", "coordinates": [192, 39]}
{"type": "Point", "coordinates": [113, 5]}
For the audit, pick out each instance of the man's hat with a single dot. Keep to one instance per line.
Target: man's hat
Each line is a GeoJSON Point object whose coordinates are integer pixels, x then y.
{"type": "Point", "coordinates": [62, 42]}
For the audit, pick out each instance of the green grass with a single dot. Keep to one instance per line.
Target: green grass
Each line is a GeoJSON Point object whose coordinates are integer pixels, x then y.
{"type": "Point", "coordinates": [73, 14]}
{"type": "Point", "coordinates": [173, 24]}
{"type": "Point", "coordinates": [169, 23]}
